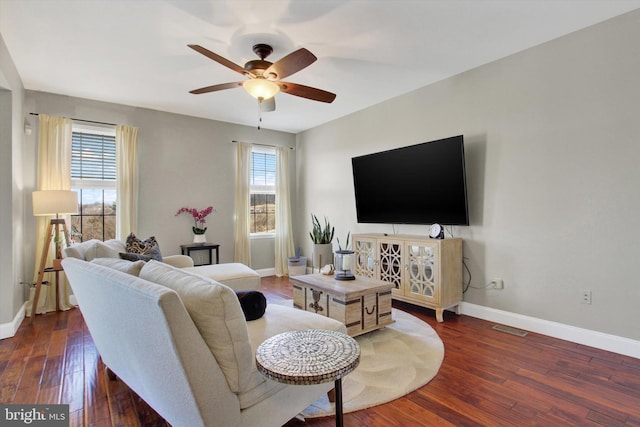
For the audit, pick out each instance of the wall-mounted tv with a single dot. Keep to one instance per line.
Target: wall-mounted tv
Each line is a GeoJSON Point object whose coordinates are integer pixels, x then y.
{"type": "Point", "coordinates": [418, 184]}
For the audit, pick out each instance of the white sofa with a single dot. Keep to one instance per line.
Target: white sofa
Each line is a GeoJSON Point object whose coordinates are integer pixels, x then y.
{"type": "Point", "coordinates": [180, 341]}
{"type": "Point", "coordinates": [237, 276]}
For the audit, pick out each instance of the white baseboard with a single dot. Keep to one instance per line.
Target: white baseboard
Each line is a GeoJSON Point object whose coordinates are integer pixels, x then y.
{"type": "Point", "coordinates": [7, 330]}
{"type": "Point", "coordinates": [267, 272]}
{"type": "Point", "coordinates": [600, 340]}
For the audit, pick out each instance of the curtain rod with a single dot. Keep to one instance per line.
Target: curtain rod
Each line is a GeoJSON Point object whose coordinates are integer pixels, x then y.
{"type": "Point", "coordinates": [266, 145]}
{"type": "Point", "coordinates": [81, 120]}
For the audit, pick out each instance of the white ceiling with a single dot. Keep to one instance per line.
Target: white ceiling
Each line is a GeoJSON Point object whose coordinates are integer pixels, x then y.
{"type": "Point", "coordinates": [135, 52]}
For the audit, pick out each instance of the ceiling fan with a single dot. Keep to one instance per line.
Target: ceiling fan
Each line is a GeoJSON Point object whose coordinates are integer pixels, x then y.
{"type": "Point", "coordinates": [264, 77]}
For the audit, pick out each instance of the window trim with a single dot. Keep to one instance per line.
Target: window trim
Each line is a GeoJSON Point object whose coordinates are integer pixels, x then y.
{"type": "Point", "coordinates": [94, 184]}
{"type": "Point", "coordinates": [262, 189]}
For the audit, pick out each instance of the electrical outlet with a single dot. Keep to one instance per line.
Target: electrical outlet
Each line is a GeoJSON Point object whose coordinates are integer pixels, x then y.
{"type": "Point", "coordinates": [586, 297]}
{"type": "Point", "coordinates": [496, 284]}
{"type": "Point", "coordinates": [199, 257]}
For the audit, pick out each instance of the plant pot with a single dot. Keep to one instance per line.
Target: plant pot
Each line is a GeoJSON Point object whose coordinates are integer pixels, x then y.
{"type": "Point", "coordinates": [322, 254]}
{"type": "Point", "coordinates": [200, 238]}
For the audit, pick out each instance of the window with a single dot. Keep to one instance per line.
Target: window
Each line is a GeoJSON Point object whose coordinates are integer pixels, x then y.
{"type": "Point", "coordinates": [93, 176]}
{"type": "Point", "coordinates": [262, 209]}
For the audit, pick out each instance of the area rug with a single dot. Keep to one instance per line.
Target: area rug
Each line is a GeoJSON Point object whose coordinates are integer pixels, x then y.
{"type": "Point", "coordinates": [394, 361]}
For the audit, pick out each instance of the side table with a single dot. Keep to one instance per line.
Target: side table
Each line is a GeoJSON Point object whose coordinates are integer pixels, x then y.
{"type": "Point", "coordinates": [309, 356]}
{"type": "Point", "coordinates": [39, 284]}
{"type": "Point", "coordinates": [210, 247]}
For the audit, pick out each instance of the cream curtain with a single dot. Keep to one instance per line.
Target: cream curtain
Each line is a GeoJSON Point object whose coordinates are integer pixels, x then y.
{"type": "Point", "coordinates": [54, 173]}
{"type": "Point", "coordinates": [242, 250]}
{"type": "Point", "coordinates": [126, 180]}
{"type": "Point", "coordinates": [284, 231]}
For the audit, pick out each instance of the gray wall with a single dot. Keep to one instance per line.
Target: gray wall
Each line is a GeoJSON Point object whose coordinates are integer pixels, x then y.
{"type": "Point", "coordinates": [11, 195]}
{"type": "Point", "coordinates": [551, 144]}
{"type": "Point", "coordinates": [552, 150]}
{"type": "Point", "coordinates": [183, 161]}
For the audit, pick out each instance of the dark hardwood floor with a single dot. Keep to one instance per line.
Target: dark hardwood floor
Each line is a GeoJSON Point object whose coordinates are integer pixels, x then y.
{"type": "Point", "coordinates": [488, 378]}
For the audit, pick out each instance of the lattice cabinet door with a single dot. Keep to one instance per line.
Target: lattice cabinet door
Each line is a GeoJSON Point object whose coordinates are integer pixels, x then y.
{"type": "Point", "coordinates": [391, 261]}
{"type": "Point", "coordinates": [421, 280]}
{"type": "Point", "coordinates": [366, 259]}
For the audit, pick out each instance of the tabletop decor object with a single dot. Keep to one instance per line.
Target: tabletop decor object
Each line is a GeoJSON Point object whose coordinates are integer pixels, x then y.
{"type": "Point", "coordinates": [199, 219]}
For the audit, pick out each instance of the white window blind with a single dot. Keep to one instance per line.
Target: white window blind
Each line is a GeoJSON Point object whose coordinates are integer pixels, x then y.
{"type": "Point", "coordinates": [93, 160]}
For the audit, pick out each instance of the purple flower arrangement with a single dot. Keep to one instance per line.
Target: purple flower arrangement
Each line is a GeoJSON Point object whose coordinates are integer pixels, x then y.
{"type": "Point", "coordinates": [198, 218]}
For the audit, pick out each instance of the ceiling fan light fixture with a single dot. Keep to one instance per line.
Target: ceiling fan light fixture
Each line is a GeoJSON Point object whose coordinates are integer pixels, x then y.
{"type": "Point", "coordinates": [261, 88]}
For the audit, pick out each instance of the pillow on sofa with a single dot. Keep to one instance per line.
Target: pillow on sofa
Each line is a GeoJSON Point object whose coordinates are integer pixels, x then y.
{"type": "Point", "coordinates": [130, 256]}
{"type": "Point", "coordinates": [253, 304]}
{"type": "Point", "coordinates": [215, 310]}
{"type": "Point", "coordinates": [128, 267]}
{"type": "Point", "coordinates": [81, 250]}
{"type": "Point", "coordinates": [147, 247]}
{"type": "Point", "coordinates": [108, 249]}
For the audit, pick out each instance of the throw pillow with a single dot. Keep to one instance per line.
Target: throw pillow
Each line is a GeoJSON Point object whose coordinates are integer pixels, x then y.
{"type": "Point", "coordinates": [147, 247]}
{"type": "Point", "coordinates": [84, 250]}
{"type": "Point", "coordinates": [108, 249]}
{"type": "Point", "coordinates": [253, 304]}
{"type": "Point", "coordinates": [128, 267]}
{"type": "Point", "coordinates": [130, 256]}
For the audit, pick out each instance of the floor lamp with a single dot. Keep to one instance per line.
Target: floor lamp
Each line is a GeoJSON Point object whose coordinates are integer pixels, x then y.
{"type": "Point", "coordinates": [49, 203]}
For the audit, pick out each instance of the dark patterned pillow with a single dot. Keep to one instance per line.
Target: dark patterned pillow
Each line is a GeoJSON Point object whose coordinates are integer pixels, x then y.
{"type": "Point", "coordinates": [147, 247]}
{"type": "Point", "coordinates": [130, 256]}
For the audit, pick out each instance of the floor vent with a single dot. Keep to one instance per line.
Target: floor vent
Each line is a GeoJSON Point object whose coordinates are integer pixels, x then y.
{"type": "Point", "coordinates": [512, 331]}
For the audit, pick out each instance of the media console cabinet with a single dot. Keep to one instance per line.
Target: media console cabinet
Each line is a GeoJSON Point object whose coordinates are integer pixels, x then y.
{"type": "Point", "coordinates": [426, 272]}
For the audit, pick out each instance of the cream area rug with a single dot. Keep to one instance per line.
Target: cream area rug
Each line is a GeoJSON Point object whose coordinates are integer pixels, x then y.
{"type": "Point", "coordinates": [394, 361]}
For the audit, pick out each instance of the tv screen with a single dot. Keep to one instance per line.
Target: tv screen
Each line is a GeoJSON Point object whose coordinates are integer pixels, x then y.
{"type": "Point", "coordinates": [418, 184]}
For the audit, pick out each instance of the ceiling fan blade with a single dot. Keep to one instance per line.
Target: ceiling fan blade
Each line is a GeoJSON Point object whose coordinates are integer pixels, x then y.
{"type": "Point", "coordinates": [268, 105]}
{"type": "Point", "coordinates": [307, 92]}
{"type": "Point", "coordinates": [215, 88]}
{"type": "Point", "coordinates": [220, 60]}
{"type": "Point", "coordinates": [290, 64]}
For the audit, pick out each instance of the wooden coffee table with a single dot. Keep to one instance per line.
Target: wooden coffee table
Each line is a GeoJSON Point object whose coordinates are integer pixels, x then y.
{"type": "Point", "coordinates": [363, 304]}
{"type": "Point", "coordinates": [310, 356]}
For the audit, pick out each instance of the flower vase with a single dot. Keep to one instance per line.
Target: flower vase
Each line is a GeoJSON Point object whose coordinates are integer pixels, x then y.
{"type": "Point", "coordinates": [199, 238]}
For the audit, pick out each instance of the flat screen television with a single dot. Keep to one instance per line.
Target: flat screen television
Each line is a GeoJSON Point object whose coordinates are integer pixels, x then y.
{"type": "Point", "coordinates": [418, 184]}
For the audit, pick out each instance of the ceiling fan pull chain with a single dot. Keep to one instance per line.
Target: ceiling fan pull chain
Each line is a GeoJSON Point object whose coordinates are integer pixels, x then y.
{"type": "Point", "coordinates": [259, 112]}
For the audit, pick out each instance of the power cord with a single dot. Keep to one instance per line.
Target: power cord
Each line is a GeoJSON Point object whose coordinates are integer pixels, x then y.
{"type": "Point", "coordinates": [468, 285]}
{"type": "Point", "coordinates": [450, 230]}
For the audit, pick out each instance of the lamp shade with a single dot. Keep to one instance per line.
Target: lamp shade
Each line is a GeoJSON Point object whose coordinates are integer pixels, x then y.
{"type": "Point", "coordinates": [261, 88]}
{"type": "Point", "coordinates": [55, 202]}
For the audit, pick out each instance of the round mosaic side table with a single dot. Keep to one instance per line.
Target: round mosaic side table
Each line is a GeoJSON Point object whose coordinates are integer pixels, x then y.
{"type": "Point", "coordinates": [310, 356]}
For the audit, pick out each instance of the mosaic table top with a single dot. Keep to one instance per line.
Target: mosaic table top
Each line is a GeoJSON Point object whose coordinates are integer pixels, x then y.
{"type": "Point", "coordinates": [310, 356]}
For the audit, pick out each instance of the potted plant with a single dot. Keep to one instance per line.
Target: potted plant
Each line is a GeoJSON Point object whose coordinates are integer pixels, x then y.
{"type": "Point", "coordinates": [321, 236]}
{"type": "Point", "coordinates": [199, 220]}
